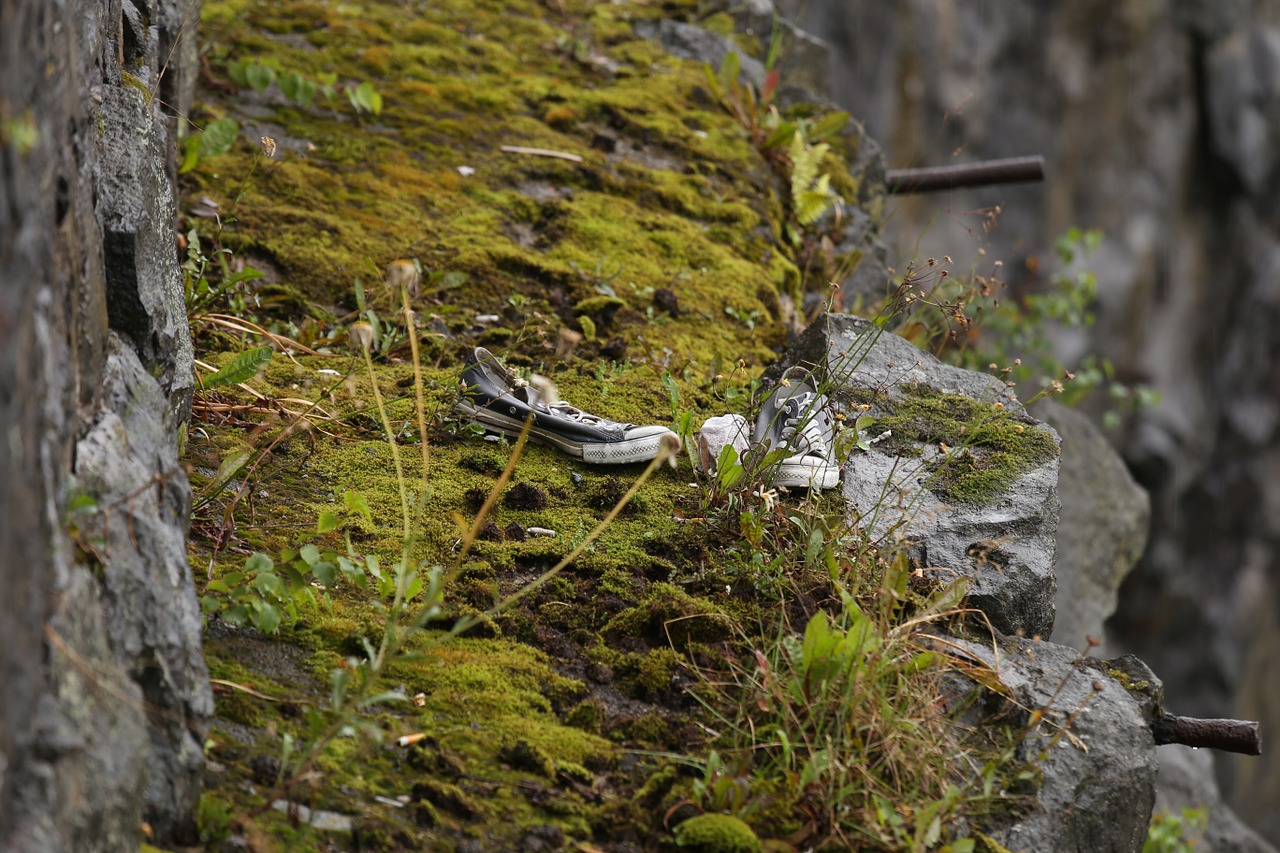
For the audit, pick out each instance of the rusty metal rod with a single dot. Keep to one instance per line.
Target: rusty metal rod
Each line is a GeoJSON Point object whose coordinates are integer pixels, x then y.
{"type": "Point", "coordinates": [1012, 170]}
{"type": "Point", "coordinates": [1240, 736]}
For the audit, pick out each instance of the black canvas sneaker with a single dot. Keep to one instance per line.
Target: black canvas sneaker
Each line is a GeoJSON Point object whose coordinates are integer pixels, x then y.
{"type": "Point", "coordinates": [798, 418]}
{"type": "Point", "coordinates": [501, 401]}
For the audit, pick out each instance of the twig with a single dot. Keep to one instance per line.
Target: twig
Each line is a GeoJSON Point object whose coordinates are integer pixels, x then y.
{"type": "Point", "coordinates": [542, 152]}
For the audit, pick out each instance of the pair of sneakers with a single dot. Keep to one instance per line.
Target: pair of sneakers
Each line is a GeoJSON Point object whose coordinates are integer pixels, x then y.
{"type": "Point", "coordinates": [797, 417]}
{"type": "Point", "coordinates": [500, 401]}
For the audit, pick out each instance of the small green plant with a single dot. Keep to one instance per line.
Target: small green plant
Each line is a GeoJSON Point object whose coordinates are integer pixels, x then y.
{"type": "Point", "coordinates": [267, 594]}
{"type": "Point", "coordinates": [745, 317]}
{"type": "Point", "coordinates": [1176, 833]}
{"type": "Point", "coordinates": [857, 689]}
{"type": "Point", "coordinates": [210, 282]}
{"type": "Point", "coordinates": [302, 90]}
{"type": "Point", "coordinates": [240, 369]}
{"type": "Point", "coordinates": [214, 140]}
{"type": "Point", "coordinates": [966, 321]}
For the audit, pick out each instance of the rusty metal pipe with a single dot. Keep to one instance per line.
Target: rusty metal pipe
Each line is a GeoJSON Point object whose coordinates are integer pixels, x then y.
{"type": "Point", "coordinates": [1012, 170]}
{"type": "Point", "coordinates": [1240, 736]}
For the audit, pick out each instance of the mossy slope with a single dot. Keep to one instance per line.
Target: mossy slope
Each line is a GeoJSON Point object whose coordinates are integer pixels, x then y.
{"type": "Point", "coordinates": [525, 722]}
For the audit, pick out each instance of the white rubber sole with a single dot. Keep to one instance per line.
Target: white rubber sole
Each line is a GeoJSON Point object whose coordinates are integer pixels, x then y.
{"type": "Point", "coordinates": [805, 474]}
{"type": "Point", "coordinates": [640, 449]}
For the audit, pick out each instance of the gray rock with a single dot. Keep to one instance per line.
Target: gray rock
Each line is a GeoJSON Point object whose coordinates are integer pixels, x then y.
{"type": "Point", "coordinates": [1102, 527]}
{"type": "Point", "coordinates": [861, 232]}
{"type": "Point", "coordinates": [1094, 748]}
{"type": "Point", "coordinates": [128, 463]}
{"type": "Point", "coordinates": [144, 283]}
{"type": "Point", "coordinates": [1006, 548]}
{"type": "Point", "coordinates": [1243, 77]}
{"type": "Point", "coordinates": [1186, 780]}
{"type": "Point", "coordinates": [92, 730]}
{"type": "Point", "coordinates": [700, 45]}
{"type": "Point", "coordinates": [804, 60]}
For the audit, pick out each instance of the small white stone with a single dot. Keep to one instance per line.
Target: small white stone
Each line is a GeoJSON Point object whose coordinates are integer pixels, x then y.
{"type": "Point", "coordinates": [718, 432]}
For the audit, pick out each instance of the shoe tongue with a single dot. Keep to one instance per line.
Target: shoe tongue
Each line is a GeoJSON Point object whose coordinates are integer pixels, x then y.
{"type": "Point", "coordinates": [807, 437]}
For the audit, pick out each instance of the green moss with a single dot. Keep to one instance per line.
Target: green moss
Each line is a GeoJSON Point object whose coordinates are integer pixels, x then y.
{"type": "Point", "coordinates": [982, 449]}
{"type": "Point", "coordinates": [1128, 683]}
{"type": "Point", "coordinates": [133, 82]}
{"type": "Point", "coordinates": [717, 833]}
{"type": "Point", "coordinates": [587, 716]}
{"type": "Point", "coordinates": [668, 614]}
{"type": "Point", "coordinates": [684, 202]}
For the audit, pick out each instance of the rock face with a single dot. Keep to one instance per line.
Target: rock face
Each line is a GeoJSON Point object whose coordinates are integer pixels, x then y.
{"type": "Point", "coordinates": [1099, 757]}
{"type": "Point", "coordinates": [1102, 527]}
{"type": "Point", "coordinates": [106, 695]}
{"type": "Point", "coordinates": [1186, 780]}
{"type": "Point", "coordinates": [1003, 546]}
{"type": "Point", "coordinates": [1159, 124]}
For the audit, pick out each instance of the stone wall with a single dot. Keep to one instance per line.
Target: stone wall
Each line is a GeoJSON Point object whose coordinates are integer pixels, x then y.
{"type": "Point", "coordinates": [106, 695]}
{"type": "Point", "coordinates": [1160, 124]}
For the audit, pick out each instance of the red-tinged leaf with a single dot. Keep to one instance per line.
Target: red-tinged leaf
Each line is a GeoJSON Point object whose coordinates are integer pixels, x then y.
{"type": "Point", "coordinates": [770, 86]}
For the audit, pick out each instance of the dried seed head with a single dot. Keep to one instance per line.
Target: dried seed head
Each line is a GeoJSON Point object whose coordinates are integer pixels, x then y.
{"type": "Point", "coordinates": [361, 336]}
{"type": "Point", "coordinates": [669, 447]}
{"type": "Point", "coordinates": [268, 147]}
{"type": "Point", "coordinates": [547, 393]}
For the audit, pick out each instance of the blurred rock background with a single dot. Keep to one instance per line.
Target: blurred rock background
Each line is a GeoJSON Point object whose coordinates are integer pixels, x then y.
{"type": "Point", "coordinates": [1160, 124]}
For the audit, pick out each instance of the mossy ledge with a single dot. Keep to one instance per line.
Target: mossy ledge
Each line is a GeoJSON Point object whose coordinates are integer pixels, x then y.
{"type": "Point", "coordinates": [544, 721]}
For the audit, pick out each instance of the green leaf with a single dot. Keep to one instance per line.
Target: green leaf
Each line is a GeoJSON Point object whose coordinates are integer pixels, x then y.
{"type": "Point", "coordinates": [259, 562]}
{"type": "Point", "coordinates": [298, 88]}
{"type": "Point", "coordinates": [82, 503]}
{"type": "Point", "coordinates": [359, 505]}
{"type": "Point", "coordinates": [246, 274]}
{"type": "Point", "coordinates": [294, 577]}
{"type": "Point", "coordinates": [310, 554]}
{"type": "Point", "coordinates": [365, 98]}
{"type": "Point", "coordinates": [260, 77]}
{"type": "Point", "coordinates": [190, 152]}
{"type": "Point", "coordinates": [713, 83]}
{"type": "Point", "coordinates": [325, 572]}
{"type": "Point", "coordinates": [243, 367]}
{"type": "Point", "coordinates": [730, 68]}
{"type": "Point", "coordinates": [828, 125]}
{"type": "Point", "coordinates": [266, 617]}
{"type": "Point", "coordinates": [328, 521]}
{"type": "Point", "coordinates": [453, 279]}
{"type": "Point", "coordinates": [350, 570]}
{"type": "Point", "coordinates": [338, 680]}
{"type": "Point", "coordinates": [268, 583]}
{"type": "Point", "coordinates": [237, 70]}
{"type": "Point", "coordinates": [781, 135]}
{"type": "Point", "coordinates": [384, 698]}
{"type": "Point", "coordinates": [218, 137]}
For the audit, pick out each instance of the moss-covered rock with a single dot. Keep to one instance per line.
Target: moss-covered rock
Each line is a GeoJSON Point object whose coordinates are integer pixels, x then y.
{"type": "Point", "coordinates": [717, 833]}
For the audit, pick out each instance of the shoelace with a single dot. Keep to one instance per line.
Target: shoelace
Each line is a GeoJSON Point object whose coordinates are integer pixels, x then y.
{"type": "Point", "coordinates": [560, 407]}
{"type": "Point", "coordinates": [810, 438]}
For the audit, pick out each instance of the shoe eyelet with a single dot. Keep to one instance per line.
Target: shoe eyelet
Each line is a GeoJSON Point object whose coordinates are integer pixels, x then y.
{"type": "Point", "coordinates": [511, 409]}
